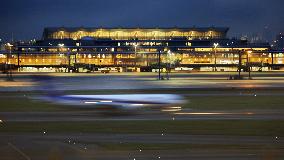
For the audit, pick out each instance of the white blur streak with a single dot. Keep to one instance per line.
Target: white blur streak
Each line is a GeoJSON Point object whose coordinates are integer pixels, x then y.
{"type": "Point", "coordinates": [90, 102]}
{"type": "Point", "coordinates": [106, 101]}
{"type": "Point", "coordinates": [137, 104]}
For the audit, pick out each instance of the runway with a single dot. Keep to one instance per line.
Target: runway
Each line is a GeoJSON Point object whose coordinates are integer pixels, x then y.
{"type": "Point", "coordinates": [32, 134]}
{"type": "Point", "coordinates": [91, 116]}
{"type": "Point", "coordinates": [132, 81]}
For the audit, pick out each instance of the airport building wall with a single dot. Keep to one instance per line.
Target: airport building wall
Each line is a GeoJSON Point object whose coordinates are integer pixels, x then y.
{"type": "Point", "coordinates": [88, 49]}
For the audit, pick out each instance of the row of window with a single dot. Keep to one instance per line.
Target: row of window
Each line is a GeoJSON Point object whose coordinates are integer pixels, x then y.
{"type": "Point", "coordinates": [135, 34]}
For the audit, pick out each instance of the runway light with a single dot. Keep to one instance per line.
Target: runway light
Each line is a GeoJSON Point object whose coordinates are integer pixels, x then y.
{"type": "Point", "coordinates": [1, 121]}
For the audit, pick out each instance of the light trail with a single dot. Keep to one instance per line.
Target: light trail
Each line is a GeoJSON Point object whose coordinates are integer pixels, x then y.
{"type": "Point", "coordinates": [212, 113]}
{"type": "Point", "coordinates": [106, 101]}
{"type": "Point", "coordinates": [137, 104]}
{"type": "Point", "coordinates": [171, 110]}
{"type": "Point", "coordinates": [19, 151]}
{"type": "Point", "coordinates": [91, 102]}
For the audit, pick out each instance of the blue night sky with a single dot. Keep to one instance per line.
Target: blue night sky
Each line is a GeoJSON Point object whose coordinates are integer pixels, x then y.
{"type": "Point", "coordinates": [27, 18]}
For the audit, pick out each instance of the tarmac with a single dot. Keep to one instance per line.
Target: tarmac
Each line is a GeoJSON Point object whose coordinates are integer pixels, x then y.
{"type": "Point", "coordinates": [47, 145]}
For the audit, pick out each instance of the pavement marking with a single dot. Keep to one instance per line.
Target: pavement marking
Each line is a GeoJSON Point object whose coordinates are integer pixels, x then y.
{"type": "Point", "coordinates": [19, 151]}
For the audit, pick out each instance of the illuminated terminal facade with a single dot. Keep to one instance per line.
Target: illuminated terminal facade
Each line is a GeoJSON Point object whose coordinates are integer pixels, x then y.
{"type": "Point", "coordinates": [140, 49]}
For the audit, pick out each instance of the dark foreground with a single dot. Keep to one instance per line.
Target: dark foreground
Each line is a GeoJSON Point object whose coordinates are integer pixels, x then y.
{"type": "Point", "coordinates": [221, 120]}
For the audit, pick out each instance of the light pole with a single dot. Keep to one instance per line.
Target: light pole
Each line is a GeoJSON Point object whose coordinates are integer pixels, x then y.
{"type": "Point", "coordinates": [248, 62]}
{"type": "Point", "coordinates": [170, 60]}
{"type": "Point", "coordinates": [135, 50]}
{"type": "Point", "coordinates": [169, 63]}
{"type": "Point", "coordinates": [240, 63]}
{"type": "Point", "coordinates": [215, 58]}
{"type": "Point", "coordinates": [159, 64]}
{"type": "Point", "coordinates": [69, 59]}
{"type": "Point", "coordinates": [9, 71]}
{"type": "Point", "coordinates": [61, 45]}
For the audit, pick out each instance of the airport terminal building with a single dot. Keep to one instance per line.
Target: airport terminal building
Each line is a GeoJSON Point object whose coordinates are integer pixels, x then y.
{"type": "Point", "coordinates": [140, 49]}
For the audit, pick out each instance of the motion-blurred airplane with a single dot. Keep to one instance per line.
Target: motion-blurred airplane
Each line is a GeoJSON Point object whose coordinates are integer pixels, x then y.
{"type": "Point", "coordinates": [119, 101]}
{"type": "Point", "coordinates": [113, 101]}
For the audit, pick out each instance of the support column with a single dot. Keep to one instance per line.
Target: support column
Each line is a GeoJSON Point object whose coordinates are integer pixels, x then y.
{"type": "Point", "coordinates": [159, 64]}
{"type": "Point", "coordinates": [272, 58]}
{"type": "Point", "coordinates": [240, 63]}
{"type": "Point", "coordinates": [272, 61]}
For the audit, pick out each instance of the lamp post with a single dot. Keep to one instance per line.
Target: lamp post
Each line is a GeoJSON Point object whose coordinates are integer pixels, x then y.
{"type": "Point", "coordinates": [215, 52]}
{"type": "Point", "coordinates": [69, 59]}
{"type": "Point", "coordinates": [61, 45]}
{"type": "Point", "coordinates": [135, 50]}
{"type": "Point", "coordinates": [159, 64]}
{"type": "Point", "coordinates": [248, 62]}
{"type": "Point", "coordinates": [240, 63]}
{"type": "Point", "coordinates": [9, 71]}
{"type": "Point", "coordinates": [169, 53]}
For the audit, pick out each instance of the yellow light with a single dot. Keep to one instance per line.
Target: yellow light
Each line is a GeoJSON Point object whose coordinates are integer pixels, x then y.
{"type": "Point", "coordinates": [249, 52]}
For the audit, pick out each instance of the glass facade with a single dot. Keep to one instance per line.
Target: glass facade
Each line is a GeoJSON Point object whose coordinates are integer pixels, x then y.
{"type": "Point", "coordinates": [186, 47]}
{"type": "Point", "coordinates": [134, 33]}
